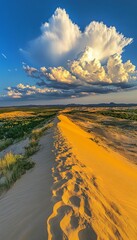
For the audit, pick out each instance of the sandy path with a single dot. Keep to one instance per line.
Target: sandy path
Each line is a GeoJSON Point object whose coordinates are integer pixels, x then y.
{"type": "Point", "coordinates": [26, 206]}
{"type": "Point", "coordinates": [95, 189]}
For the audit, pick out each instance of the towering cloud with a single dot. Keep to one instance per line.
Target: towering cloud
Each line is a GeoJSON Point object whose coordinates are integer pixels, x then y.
{"type": "Point", "coordinates": [61, 40]}
{"type": "Point", "coordinates": [105, 41]}
{"type": "Point", "coordinates": [58, 38]}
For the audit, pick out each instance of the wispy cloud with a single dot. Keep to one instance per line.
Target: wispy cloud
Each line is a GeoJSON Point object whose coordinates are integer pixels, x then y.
{"type": "Point", "coordinates": [4, 56]}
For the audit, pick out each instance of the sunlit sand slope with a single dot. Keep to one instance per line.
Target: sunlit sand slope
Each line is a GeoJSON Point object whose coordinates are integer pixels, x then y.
{"type": "Point", "coordinates": [94, 190]}
{"type": "Point", "coordinates": [15, 114]}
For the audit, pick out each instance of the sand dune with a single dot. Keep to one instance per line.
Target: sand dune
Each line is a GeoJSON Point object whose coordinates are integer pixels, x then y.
{"type": "Point", "coordinates": [78, 190]}
{"type": "Point", "coordinates": [95, 190]}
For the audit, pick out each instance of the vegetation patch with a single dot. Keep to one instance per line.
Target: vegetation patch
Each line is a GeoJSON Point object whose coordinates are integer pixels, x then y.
{"type": "Point", "coordinates": [5, 143]}
{"type": "Point", "coordinates": [123, 114]}
{"type": "Point", "coordinates": [12, 166]}
{"type": "Point", "coordinates": [17, 123]}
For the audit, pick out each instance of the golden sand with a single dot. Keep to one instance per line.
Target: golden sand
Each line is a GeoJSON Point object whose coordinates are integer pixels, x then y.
{"type": "Point", "coordinates": [14, 114]}
{"type": "Point", "coordinates": [95, 189]}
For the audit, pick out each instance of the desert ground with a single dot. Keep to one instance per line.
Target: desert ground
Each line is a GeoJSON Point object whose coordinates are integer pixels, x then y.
{"type": "Point", "coordinates": [68, 173]}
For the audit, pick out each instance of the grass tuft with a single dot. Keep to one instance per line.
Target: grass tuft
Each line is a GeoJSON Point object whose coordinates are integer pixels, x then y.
{"type": "Point", "coordinates": [7, 160]}
{"type": "Point", "coordinates": [12, 167]}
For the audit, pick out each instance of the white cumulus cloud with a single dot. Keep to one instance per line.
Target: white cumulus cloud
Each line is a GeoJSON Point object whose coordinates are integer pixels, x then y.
{"type": "Point", "coordinates": [105, 41]}
{"type": "Point", "coordinates": [86, 71]}
{"type": "Point", "coordinates": [61, 40]}
{"type": "Point", "coordinates": [22, 91]}
{"type": "Point", "coordinates": [119, 71]}
{"type": "Point", "coordinates": [58, 38]}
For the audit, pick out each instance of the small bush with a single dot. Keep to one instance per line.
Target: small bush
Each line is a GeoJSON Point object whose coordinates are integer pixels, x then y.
{"type": "Point", "coordinates": [31, 148]}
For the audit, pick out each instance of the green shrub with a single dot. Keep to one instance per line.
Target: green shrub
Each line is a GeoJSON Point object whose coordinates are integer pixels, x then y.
{"type": "Point", "coordinates": [5, 144]}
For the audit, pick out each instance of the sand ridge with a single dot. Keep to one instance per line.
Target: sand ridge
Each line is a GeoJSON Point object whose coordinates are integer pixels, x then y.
{"type": "Point", "coordinates": [66, 222]}
{"type": "Point", "coordinates": [94, 190]}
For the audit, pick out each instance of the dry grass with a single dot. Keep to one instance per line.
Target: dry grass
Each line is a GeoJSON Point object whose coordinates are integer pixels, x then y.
{"type": "Point", "coordinates": [7, 160]}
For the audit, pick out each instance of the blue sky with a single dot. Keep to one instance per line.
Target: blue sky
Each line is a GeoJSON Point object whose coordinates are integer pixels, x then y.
{"type": "Point", "coordinates": [20, 22]}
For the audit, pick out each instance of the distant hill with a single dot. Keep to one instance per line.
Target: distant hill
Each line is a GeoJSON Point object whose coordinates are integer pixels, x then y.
{"type": "Point", "coordinates": [111, 104]}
